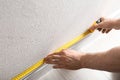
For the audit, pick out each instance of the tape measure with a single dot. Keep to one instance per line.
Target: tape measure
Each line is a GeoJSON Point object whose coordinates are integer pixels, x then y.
{"type": "Point", "coordinates": [65, 46]}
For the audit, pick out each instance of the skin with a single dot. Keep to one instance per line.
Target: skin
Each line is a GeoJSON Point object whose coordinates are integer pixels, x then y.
{"type": "Point", "coordinates": [73, 60]}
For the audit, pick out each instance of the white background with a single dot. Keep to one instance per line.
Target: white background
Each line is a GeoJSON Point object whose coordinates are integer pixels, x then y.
{"type": "Point", "coordinates": [30, 29]}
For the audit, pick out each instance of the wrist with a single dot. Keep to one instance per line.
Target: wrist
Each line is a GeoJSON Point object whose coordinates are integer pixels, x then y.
{"type": "Point", "coordinates": [116, 24]}
{"type": "Point", "coordinates": [93, 61]}
{"type": "Point", "coordinates": [85, 60]}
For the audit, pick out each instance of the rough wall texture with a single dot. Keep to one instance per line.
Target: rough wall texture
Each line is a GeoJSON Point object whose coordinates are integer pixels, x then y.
{"type": "Point", "coordinates": [29, 29]}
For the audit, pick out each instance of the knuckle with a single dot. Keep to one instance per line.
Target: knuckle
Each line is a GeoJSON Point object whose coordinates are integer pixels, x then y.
{"type": "Point", "coordinates": [63, 50]}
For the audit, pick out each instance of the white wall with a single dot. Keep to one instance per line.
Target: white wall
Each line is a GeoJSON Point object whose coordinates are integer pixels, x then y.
{"type": "Point", "coordinates": [30, 29]}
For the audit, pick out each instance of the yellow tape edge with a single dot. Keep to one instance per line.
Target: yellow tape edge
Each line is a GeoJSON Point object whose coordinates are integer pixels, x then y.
{"type": "Point", "coordinates": [41, 62]}
{"type": "Point", "coordinates": [28, 70]}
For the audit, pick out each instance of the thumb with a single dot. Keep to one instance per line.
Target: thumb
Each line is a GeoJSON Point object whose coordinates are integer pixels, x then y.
{"type": "Point", "coordinates": [93, 27]}
{"type": "Point", "coordinates": [97, 24]}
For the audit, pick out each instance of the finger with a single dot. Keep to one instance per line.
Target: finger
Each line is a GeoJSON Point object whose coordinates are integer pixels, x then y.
{"type": "Point", "coordinates": [53, 61]}
{"type": "Point", "coordinates": [104, 30]}
{"type": "Point", "coordinates": [108, 30]}
{"type": "Point", "coordinates": [98, 26]}
{"type": "Point", "coordinates": [58, 66]}
{"type": "Point", "coordinates": [55, 55]}
{"type": "Point", "coordinates": [62, 52]}
{"type": "Point", "coordinates": [93, 27]}
{"type": "Point", "coordinates": [51, 54]}
{"type": "Point", "coordinates": [48, 58]}
{"type": "Point", "coordinates": [99, 29]}
{"type": "Point", "coordinates": [51, 57]}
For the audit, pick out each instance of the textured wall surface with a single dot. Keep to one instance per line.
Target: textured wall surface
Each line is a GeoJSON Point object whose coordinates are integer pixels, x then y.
{"type": "Point", "coordinates": [30, 29]}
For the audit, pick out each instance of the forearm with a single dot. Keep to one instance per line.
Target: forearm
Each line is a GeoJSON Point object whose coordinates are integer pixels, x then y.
{"type": "Point", "coordinates": [116, 24]}
{"type": "Point", "coordinates": [108, 60]}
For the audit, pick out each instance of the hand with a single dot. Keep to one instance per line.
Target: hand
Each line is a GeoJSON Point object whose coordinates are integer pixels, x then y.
{"type": "Point", "coordinates": [106, 25]}
{"type": "Point", "coordinates": [66, 59]}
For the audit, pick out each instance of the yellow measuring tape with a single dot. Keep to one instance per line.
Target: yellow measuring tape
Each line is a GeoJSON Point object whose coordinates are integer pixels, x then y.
{"type": "Point", "coordinates": [65, 46]}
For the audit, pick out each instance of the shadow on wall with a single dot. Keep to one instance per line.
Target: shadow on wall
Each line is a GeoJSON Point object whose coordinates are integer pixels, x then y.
{"type": "Point", "coordinates": [116, 76]}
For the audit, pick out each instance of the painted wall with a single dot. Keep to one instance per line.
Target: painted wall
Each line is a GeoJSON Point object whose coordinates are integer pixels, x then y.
{"type": "Point", "coordinates": [30, 29]}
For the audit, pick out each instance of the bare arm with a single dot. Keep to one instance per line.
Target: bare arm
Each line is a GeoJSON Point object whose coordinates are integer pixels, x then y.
{"type": "Point", "coordinates": [73, 60]}
{"type": "Point", "coordinates": [108, 60]}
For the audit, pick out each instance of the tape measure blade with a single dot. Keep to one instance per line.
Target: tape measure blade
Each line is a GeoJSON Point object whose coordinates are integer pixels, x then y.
{"type": "Point", "coordinates": [74, 41]}
{"type": "Point", "coordinates": [65, 46]}
{"type": "Point", "coordinates": [28, 70]}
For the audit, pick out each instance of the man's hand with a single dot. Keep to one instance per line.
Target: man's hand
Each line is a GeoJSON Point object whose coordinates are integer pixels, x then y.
{"type": "Point", "coordinates": [107, 25]}
{"type": "Point", "coordinates": [66, 59]}
{"type": "Point", "coordinates": [72, 60]}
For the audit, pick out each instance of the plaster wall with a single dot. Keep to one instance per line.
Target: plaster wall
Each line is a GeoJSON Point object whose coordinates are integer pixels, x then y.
{"type": "Point", "coordinates": [30, 29]}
